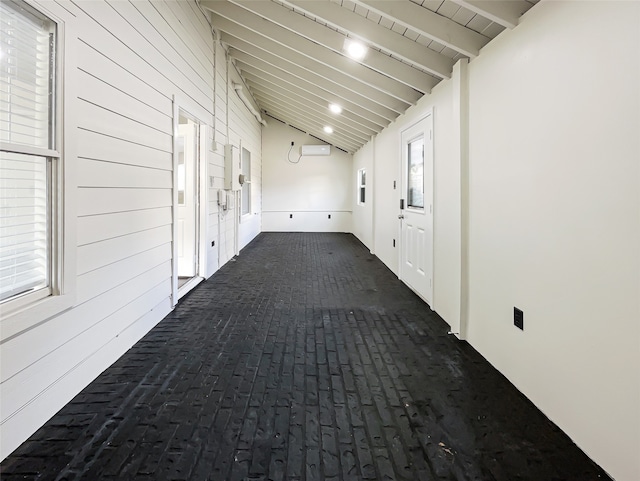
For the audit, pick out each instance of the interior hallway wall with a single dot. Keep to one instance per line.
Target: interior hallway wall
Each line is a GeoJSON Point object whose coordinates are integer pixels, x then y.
{"type": "Point", "coordinates": [554, 217]}
{"type": "Point", "coordinates": [385, 150]}
{"type": "Point", "coordinates": [128, 60]}
{"type": "Point", "coordinates": [362, 226]}
{"type": "Point", "coordinates": [300, 197]}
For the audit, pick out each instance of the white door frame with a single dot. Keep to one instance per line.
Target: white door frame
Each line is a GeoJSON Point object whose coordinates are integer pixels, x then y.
{"type": "Point", "coordinates": [177, 293]}
{"type": "Point", "coordinates": [187, 221]}
{"type": "Point", "coordinates": [406, 135]}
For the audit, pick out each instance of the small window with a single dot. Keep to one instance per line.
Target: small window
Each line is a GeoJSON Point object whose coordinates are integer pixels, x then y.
{"type": "Point", "coordinates": [30, 156]}
{"type": "Point", "coordinates": [182, 170]}
{"type": "Point", "coordinates": [362, 184]}
{"type": "Point", "coordinates": [415, 174]}
{"type": "Point", "coordinates": [246, 186]}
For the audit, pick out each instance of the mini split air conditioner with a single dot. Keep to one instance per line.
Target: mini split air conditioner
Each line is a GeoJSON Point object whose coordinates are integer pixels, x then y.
{"type": "Point", "coordinates": [316, 150]}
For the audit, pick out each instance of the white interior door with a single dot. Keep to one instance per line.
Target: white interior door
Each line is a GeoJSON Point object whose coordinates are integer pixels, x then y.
{"type": "Point", "coordinates": [416, 214]}
{"type": "Point", "coordinates": [187, 201]}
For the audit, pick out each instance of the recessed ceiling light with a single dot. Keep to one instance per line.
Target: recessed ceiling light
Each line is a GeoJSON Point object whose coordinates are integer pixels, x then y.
{"type": "Point", "coordinates": [356, 50]}
{"type": "Point", "coordinates": [335, 108]}
{"type": "Point", "coordinates": [328, 129]}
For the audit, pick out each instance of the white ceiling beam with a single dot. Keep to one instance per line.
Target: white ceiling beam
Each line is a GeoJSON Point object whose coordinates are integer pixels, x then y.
{"type": "Point", "coordinates": [272, 98]}
{"type": "Point", "coordinates": [260, 89]}
{"type": "Point", "coordinates": [346, 118]}
{"type": "Point", "coordinates": [312, 128]}
{"type": "Point", "coordinates": [429, 24]}
{"type": "Point", "coordinates": [377, 35]}
{"type": "Point", "coordinates": [309, 54]}
{"type": "Point", "coordinates": [290, 60]}
{"type": "Point", "coordinates": [264, 60]}
{"type": "Point", "coordinates": [254, 76]}
{"type": "Point", "coordinates": [352, 112]}
{"type": "Point", "coordinates": [333, 40]}
{"type": "Point", "coordinates": [503, 12]}
{"type": "Point", "coordinates": [295, 112]}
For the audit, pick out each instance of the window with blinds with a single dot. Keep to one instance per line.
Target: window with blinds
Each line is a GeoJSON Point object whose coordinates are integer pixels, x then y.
{"type": "Point", "coordinates": [246, 186]}
{"type": "Point", "coordinates": [27, 150]}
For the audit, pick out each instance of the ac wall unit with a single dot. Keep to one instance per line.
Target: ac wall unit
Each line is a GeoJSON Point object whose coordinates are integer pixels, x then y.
{"type": "Point", "coordinates": [316, 150]}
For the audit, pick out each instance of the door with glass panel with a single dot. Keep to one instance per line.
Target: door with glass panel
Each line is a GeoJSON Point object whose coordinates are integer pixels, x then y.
{"type": "Point", "coordinates": [416, 213]}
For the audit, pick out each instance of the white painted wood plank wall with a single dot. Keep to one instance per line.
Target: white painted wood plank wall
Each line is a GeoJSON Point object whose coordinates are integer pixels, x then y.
{"type": "Point", "coordinates": [246, 133]}
{"type": "Point", "coordinates": [132, 58]}
{"type": "Point", "coordinates": [217, 213]}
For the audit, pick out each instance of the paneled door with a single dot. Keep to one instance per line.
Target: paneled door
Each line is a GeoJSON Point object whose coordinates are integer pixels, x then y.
{"type": "Point", "coordinates": [416, 208]}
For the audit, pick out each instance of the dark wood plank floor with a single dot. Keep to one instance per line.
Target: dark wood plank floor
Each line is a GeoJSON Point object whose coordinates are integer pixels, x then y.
{"type": "Point", "coordinates": [303, 359]}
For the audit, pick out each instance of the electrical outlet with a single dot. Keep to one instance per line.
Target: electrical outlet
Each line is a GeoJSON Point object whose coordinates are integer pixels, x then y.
{"type": "Point", "coordinates": [329, 216]}
{"type": "Point", "coordinates": [213, 243]}
{"type": "Point", "coordinates": [290, 216]}
{"type": "Point", "coordinates": [518, 318]}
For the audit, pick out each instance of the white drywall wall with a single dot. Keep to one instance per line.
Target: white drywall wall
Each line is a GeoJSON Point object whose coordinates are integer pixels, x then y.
{"type": "Point", "coordinates": [300, 197]}
{"type": "Point", "coordinates": [362, 226]}
{"type": "Point", "coordinates": [385, 149]}
{"type": "Point", "coordinates": [554, 216]}
{"type": "Point", "coordinates": [555, 219]}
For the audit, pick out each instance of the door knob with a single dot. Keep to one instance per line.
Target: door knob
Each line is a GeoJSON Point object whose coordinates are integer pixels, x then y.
{"type": "Point", "coordinates": [400, 216]}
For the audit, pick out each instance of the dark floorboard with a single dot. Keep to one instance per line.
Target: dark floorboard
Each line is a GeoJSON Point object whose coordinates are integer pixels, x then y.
{"type": "Point", "coordinates": [303, 359]}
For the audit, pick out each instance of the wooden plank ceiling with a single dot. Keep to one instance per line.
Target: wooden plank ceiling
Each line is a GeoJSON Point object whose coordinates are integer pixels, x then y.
{"type": "Point", "coordinates": [292, 55]}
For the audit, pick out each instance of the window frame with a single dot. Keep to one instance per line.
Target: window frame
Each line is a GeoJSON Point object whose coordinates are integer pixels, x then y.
{"type": "Point", "coordinates": [409, 143]}
{"type": "Point", "coordinates": [246, 171]}
{"type": "Point", "coordinates": [362, 187]}
{"type": "Point", "coordinates": [24, 312]}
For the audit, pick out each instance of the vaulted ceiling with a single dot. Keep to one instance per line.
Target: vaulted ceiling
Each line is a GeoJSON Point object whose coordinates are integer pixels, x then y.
{"type": "Point", "coordinates": [292, 55]}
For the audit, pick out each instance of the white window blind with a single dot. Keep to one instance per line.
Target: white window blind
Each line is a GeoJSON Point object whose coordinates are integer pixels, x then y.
{"type": "Point", "coordinates": [24, 228]}
{"type": "Point", "coordinates": [27, 41]}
